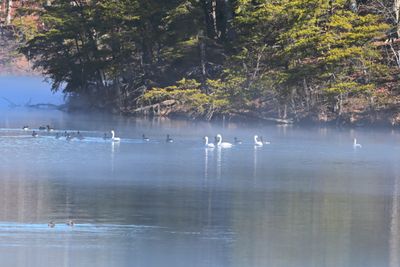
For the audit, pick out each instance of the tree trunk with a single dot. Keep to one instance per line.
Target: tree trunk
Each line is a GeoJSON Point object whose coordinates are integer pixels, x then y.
{"type": "Point", "coordinates": [396, 9]}
{"type": "Point", "coordinates": [9, 10]}
{"type": "Point", "coordinates": [210, 13]}
{"type": "Point", "coordinates": [214, 17]}
{"type": "Point", "coordinates": [225, 21]}
{"type": "Point", "coordinates": [284, 111]}
{"type": "Point", "coordinates": [307, 94]}
{"type": "Point", "coordinates": [202, 47]}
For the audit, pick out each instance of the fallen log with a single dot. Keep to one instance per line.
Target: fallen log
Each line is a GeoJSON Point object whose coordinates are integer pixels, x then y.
{"type": "Point", "coordinates": [155, 109]}
{"type": "Point", "coordinates": [46, 106]}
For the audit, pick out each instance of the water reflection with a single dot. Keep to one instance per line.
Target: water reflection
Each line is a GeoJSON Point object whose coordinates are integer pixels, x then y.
{"type": "Point", "coordinates": [114, 146]}
{"type": "Point", "coordinates": [219, 162]}
{"type": "Point", "coordinates": [207, 151]}
{"type": "Point", "coordinates": [394, 241]}
{"type": "Point", "coordinates": [256, 148]}
{"type": "Point", "coordinates": [308, 200]}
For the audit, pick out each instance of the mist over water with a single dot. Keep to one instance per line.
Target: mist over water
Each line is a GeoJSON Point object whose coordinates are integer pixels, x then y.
{"type": "Point", "coordinates": [21, 90]}
{"type": "Point", "coordinates": [308, 199]}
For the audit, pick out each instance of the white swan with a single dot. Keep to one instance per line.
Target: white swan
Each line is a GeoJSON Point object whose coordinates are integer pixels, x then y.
{"type": "Point", "coordinates": [223, 144]}
{"type": "Point", "coordinates": [355, 144]}
{"type": "Point", "coordinates": [208, 145]}
{"type": "Point", "coordinates": [257, 142]}
{"type": "Point", "coordinates": [113, 138]}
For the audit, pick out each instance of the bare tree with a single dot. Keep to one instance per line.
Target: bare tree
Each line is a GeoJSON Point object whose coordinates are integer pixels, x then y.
{"type": "Point", "coordinates": [396, 9]}
{"type": "Point", "coordinates": [9, 11]}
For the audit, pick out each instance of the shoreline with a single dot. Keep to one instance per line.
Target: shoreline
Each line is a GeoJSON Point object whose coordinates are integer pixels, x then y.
{"type": "Point", "coordinates": [247, 120]}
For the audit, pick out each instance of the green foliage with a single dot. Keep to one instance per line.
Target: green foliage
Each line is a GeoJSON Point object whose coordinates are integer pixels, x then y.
{"type": "Point", "coordinates": [349, 87]}
{"type": "Point", "coordinates": [321, 43]}
{"type": "Point", "coordinates": [26, 27]}
{"type": "Point", "coordinates": [253, 54]}
{"type": "Point", "coordinates": [186, 93]}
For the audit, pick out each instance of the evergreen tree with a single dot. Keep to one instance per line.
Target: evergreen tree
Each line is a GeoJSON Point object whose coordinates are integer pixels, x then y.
{"type": "Point", "coordinates": [309, 47]}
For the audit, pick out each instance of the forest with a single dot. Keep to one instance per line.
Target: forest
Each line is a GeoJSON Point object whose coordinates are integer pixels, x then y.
{"type": "Point", "coordinates": [284, 61]}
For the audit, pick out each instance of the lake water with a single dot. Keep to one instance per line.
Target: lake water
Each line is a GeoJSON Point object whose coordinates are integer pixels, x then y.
{"type": "Point", "coordinates": [307, 199]}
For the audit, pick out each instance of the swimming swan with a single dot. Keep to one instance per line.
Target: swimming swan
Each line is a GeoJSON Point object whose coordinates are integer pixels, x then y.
{"type": "Point", "coordinates": [223, 144]}
{"type": "Point", "coordinates": [113, 138]}
{"type": "Point", "coordinates": [355, 145]}
{"type": "Point", "coordinates": [257, 142]}
{"type": "Point", "coordinates": [208, 145]}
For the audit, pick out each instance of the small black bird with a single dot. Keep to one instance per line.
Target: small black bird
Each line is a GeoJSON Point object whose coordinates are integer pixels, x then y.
{"type": "Point", "coordinates": [237, 141]}
{"type": "Point", "coordinates": [80, 136]}
{"type": "Point", "coordinates": [169, 139]}
{"type": "Point", "coordinates": [145, 138]}
{"type": "Point", "coordinates": [69, 137]}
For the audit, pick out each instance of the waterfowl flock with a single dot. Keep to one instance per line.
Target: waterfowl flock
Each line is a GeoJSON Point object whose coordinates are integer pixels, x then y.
{"type": "Point", "coordinates": [69, 223]}
{"type": "Point", "coordinates": [219, 142]}
{"type": "Point", "coordinates": [111, 136]}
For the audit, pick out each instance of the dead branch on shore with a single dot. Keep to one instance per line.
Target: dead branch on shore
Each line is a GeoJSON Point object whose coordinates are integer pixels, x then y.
{"type": "Point", "coordinates": [159, 109]}
{"type": "Point", "coordinates": [10, 103]}
{"type": "Point", "coordinates": [45, 106]}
